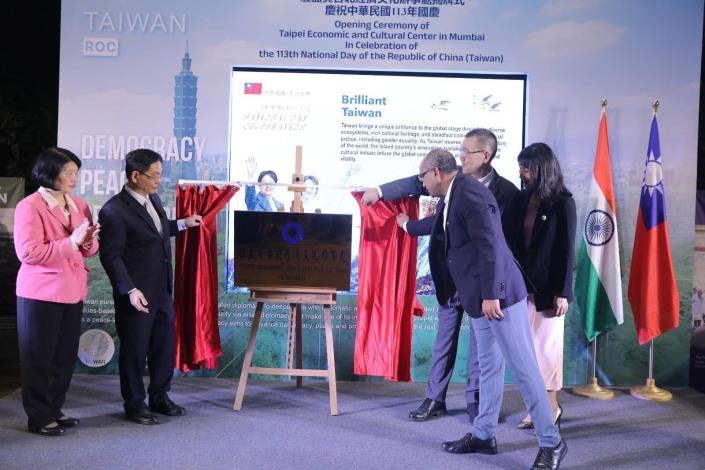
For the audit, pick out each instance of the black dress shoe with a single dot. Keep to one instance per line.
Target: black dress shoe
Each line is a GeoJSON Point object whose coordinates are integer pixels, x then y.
{"type": "Point", "coordinates": [141, 416]}
{"type": "Point", "coordinates": [168, 408]}
{"type": "Point", "coordinates": [550, 457]}
{"type": "Point", "coordinates": [68, 422]}
{"type": "Point", "coordinates": [428, 409]}
{"type": "Point", "coordinates": [469, 444]}
{"type": "Point", "coordinates": [473, 410]}
{"type": "Point", "coordinates": [47, 431]}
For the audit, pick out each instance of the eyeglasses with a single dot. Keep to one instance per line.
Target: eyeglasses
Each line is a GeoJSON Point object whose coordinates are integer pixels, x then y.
{"type": "Point", "coordinates": [153, 179]}
{"type": "Point", "coordinates": [423, 173]}
{"type": "Point", "coordinates": [465, 152]}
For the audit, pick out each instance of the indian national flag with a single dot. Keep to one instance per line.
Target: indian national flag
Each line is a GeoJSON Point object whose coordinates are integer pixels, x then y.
{"type": "Point", "coordinates": [598, 284]}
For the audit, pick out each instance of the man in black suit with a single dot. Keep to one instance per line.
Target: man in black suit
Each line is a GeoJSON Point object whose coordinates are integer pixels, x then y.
{"type": "Point", "coordinates": [135, 250]}
{"type": "Point", "coordinates": [478, 149]}
{"type": "Point", "coordinates": [475, 261]}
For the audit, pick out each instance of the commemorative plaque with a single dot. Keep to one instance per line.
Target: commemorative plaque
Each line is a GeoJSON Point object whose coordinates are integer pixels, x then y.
{"type": "Point", "coordinates": [289, 249]}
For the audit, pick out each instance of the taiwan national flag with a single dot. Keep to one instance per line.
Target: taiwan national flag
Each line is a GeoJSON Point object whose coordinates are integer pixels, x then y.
{"type": "Point", "coordinates": [598, 283]}
{"type": "Point", "coordinates": [653, 293]}
{"type": "Point", "coordinates": [253, 88]}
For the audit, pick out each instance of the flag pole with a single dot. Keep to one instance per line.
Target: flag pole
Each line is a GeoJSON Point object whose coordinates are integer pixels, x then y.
{"type": "Point", "coordinates": [650, 391]}
{"type": "Point", "coordinates": [592, 389]}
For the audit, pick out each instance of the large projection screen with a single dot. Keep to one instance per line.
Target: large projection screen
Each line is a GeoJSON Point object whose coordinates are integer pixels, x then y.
{"type": "Point", "coordinates": [362, 128]}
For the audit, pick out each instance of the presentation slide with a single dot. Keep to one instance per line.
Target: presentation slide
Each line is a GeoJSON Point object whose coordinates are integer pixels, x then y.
{"type": "Point", "coordinates": [361, 128]}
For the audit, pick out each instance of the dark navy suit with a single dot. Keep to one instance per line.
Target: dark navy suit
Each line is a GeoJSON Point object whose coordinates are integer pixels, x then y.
{"type": "Point", "coordinates": [258, 202]}
{"type": "Point", "coordinates": [135, 255]}
{"type": "Point", "coordinates": [450, 312]}
{"type": "Point", "coordinates": [482, 267]}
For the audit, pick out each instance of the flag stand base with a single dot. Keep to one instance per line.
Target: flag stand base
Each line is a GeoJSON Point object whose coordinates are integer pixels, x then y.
{"type": "Point", "coordinates": [651, 392]}
{"type": "Point", "coordinates": [593, 390]}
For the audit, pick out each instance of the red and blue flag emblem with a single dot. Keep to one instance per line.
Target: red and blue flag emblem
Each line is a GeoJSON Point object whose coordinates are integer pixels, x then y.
{"type": "Point", "coordinates": [653, 293]}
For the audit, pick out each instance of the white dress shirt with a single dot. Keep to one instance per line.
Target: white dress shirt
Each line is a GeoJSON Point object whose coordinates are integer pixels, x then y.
{"type": "Point", "coordinates": [446, 200]}
{"type": "Point", "coordinates": [147, 204]}
{"type": "Point", "coordinates": [46, 194]}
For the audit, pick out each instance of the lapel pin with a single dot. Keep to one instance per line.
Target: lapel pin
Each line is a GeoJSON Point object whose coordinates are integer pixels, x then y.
{"type": "Point", "coordinates": [543, 218]}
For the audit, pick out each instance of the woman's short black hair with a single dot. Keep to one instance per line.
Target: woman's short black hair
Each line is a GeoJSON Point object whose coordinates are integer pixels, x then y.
{"type": "Point", "coordinates": [50, 162]}
{"type": "Point", "coordinates": [140, 160]}
{"type": "Point", "coordinates": [269, 173]}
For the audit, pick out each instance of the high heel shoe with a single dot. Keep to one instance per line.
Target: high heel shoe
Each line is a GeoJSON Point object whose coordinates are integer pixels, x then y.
{"type": "Point", "coordinates": [526, 425]}
{"type": "Point", "coordinates": [559, 415]}
{"type": "Point", "coordinates": [556, 420]}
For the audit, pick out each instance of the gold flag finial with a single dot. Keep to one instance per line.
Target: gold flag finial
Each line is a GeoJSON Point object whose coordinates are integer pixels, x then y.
{"type": "Point", "coordinates": [603, 103]}
{"type": "Point", "coordinates": [655, 104]}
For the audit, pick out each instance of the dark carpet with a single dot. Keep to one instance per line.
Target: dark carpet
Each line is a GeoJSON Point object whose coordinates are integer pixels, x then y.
{"type": "Point", "coordinates": [280, 427]}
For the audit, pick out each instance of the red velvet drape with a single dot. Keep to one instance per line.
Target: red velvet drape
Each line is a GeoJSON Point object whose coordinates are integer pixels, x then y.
{"type": "Point", "coordinates": [386, 297]}
{"type": "Point", "coordinates": [196, 280]}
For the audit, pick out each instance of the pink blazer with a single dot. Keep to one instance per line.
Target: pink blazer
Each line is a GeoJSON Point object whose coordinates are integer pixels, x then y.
{"type": "Point", "coordinates": [51, 269]}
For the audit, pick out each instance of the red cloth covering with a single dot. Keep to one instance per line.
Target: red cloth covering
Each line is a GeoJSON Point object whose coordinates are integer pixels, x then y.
{"type": "Point", "coordinates": [196, 281]}
{"type": "Point", "coordinates": [386, 297]}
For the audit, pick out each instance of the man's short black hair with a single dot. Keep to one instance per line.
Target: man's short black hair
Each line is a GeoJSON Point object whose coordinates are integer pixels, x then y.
{"type": "Point", "coordinates": [486, 138]}
{"type": "Point", "coordinates": [313, 180]}
{"type": "Point", "coordinates": [140, 160]}
{"type": "Point", "coordinates": [49, 164]}
{"type": "Point", "coordinates": [269, 173]}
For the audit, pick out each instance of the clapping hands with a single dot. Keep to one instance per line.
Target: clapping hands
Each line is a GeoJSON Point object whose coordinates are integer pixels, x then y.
{"type": "Point", "coordinates": [85, 233]}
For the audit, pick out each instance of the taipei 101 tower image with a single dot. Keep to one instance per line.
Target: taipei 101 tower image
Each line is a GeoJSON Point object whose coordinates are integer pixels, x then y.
{"type": "Point", "coordinates": [185, 97]}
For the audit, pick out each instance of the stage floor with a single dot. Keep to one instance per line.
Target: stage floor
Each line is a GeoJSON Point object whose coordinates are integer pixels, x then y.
{"type": "Point", "coordinates": [282, 427]}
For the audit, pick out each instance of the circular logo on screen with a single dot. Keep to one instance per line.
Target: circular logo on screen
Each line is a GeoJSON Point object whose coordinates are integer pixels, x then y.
{"type": "Point", "coordinates": [95, 348]}
{"type": "Point", "coordinates": [292, 233]}
{"type": "Point", "coordinates": [599, 228]}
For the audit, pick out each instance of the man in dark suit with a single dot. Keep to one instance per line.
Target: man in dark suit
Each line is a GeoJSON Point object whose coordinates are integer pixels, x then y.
{"type": "Point", "coordinates": [477, 151]}
{"type": "Point", "coordinates": [475, 260]}
{"type": "Point", "coordinates": [135, 250]}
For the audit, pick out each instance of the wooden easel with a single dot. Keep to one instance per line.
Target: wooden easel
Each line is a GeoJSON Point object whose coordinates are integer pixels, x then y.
{"type": "Point", "coordinates": [295, 297]}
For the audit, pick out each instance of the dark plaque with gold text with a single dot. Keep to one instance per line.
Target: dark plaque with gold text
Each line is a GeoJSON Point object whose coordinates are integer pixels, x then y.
{"type": "Point", "coordinates": [286, 249]}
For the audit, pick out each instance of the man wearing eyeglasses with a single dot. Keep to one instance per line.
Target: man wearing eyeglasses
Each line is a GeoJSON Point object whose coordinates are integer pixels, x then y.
{"type": "Point", "coordinates": [477, 151]}
{"type": "Point", "coordinates": [136, 254]}
{"type": "Point", "coordinates": [485, 276]}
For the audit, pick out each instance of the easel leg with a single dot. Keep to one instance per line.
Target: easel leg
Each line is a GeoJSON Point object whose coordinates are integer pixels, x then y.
{"type": "Point", "coordinates": [242, 383]}
{"type": "Point", "coordinates": [332, 384]}
{"type": "Point", "coordinates": [290, 334]}
{"type": "Point", "coordinates": [299, 361]}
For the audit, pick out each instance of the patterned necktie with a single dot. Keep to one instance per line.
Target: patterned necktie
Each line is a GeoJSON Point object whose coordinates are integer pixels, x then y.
{"type": "Point", "coordinates": [153, 214]}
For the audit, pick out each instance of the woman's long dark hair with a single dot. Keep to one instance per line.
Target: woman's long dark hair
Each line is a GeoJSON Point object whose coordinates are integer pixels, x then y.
{"type": "Point", "coordinates": [540, 160]}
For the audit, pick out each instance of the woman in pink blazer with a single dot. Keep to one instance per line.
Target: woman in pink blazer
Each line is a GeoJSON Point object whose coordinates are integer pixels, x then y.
{"type": "Point", "coordinates": [53, 233]}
